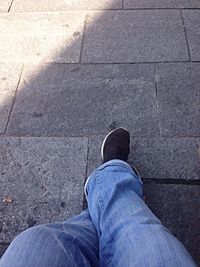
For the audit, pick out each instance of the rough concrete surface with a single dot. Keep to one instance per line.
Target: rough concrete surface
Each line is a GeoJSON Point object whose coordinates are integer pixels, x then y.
{"type": "Point", "coordinates": [178, 96]}
{"type": "Point", "coordinates": [41, 37]}
{"type": "Point", "coordinates": [161, 4]}
{"type": "Point", "coordinates": [107, 95]}
{"type": "Point", "coordinates": [135, 36]}
{"type": "Point", "coordinates": [44, 177]}
{"type": "Point", "coordinates": [158, 158]}
{"type": "Point", "coordinates": [192, 25]}
{"type": "Point", "coordinates": [61, 5]}
{"type": "Point", "coordinates": [175, 206]}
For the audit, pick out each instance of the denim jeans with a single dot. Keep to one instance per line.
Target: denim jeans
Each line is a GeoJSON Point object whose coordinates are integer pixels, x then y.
{"type": "Point", "coordinates": [117, 230]}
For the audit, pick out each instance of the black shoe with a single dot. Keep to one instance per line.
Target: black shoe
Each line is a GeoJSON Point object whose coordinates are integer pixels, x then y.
{"type": "Point", "coordinates": [116, 145]}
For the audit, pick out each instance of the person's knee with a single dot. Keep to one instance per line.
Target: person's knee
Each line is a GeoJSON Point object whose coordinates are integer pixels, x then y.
{"type": "Point", "coordinates": [31, 239]}
{"type": "Point", "coordinates": [33, 233]}
{"type": "Point", "coordinates": [37, 246]}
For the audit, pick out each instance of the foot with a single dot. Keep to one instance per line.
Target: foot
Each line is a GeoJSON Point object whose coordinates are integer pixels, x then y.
{"type": "Point", "coordinates": [116, 145]}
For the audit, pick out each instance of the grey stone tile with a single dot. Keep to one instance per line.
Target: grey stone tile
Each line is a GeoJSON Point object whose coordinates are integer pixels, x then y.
{"type": "Point", "coordinates": [160, 158]}
{"type": "Point", "coordinates": [61, 5]}
{"type": "Point", "coordinates": [161, 3]}
{"type": "Point", "coordinates": [178, 207]}
{"type": "Point", "coordinates": [166, 158]}
{"type": "Point", "coordinates": [179, 99]}
{"type": "Point", "coordinates": [74, 100]}
{"type": "Point", "coordinates": [192, 24]}
{"type": "Point", "coordinates": [135, 36]}
{"type": "Point", "coordinates": [9, 77]}
{"type": "Point", "coordinates": [41, 37]}
{"type": "Point", "coordinates": [4, 5]}
{"type": "Point", "coordinates": [45, 179]}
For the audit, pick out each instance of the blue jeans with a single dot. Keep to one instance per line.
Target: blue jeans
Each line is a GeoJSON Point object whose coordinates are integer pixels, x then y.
{"type": "Point", "coordinates": [117, 229]}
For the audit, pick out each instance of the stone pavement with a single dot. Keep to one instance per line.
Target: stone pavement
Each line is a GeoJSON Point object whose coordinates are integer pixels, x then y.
{"type": "Point", "coordinates": [72, 70]}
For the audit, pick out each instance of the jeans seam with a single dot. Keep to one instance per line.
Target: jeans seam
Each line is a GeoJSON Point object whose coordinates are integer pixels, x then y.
{"type": "Point", "coordinates": [101, 205]}
{"type": "Point", "coordinates": [100, 189]}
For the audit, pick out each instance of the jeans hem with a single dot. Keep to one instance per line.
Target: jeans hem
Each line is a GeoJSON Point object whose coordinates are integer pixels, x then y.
{"type": "Point", "coordinates": [115, 162]}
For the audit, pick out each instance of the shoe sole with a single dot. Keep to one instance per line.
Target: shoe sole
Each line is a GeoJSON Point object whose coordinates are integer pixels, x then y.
{"type": "Point", "coordinates": [104, 141]}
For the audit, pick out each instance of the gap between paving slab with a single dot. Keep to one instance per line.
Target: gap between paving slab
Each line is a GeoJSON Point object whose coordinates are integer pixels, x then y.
{"type": "Point", "coordinates": [146, 4]}
{"type": "Point", "coordinates": [5, 5]}
{"type": "Point", "coordinates": [175, 205]}
{"type": "Point", "coordinates": [9, 77]}
{"type": "Point", "coordinates": [131, 38]}
{"type": "Point", "coordinates": [49, 5]}
{"type": "Point", "coordinates": [41, 37]}
{"type": "Point", "coordinates": [46, 106]}
{"type": "Point", "coordinates": [158, 158]}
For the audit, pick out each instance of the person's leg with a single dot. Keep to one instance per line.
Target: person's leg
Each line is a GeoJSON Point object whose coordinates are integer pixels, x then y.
{"type": "Point", "coordinates": [70, 243]}
{"type": "Point", "coordinates": [129, 233]}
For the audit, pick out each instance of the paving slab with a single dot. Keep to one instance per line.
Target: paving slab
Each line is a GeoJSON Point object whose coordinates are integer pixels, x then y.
{"type": "Point", "coordinates": [192, 25]}
{"type": "Point", "coordinates": [41, 37]}
{"type": "Point", "coordinates": [166, 158]}
{"type": "Point", "coordinates": [161, 3]}
{"type": "Point", "coordinates": [61, 5]}
{"type": "Point", "coordinates": [44, 177]}
{"type": "Point", "coordinates": [178, 207]}
{"type": "Point", "coordinates": [9, 77]}
{"type": "Point", "coordinates": [135, 36]}
{"type": "Point", "coordinates": [5, 5]}
{"type": "Point", "coordinates": [178, 95]}
{"type": "Point", "coordinates": [159, 158]}
{"type": "Point", "coordinates": [76, 100]}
